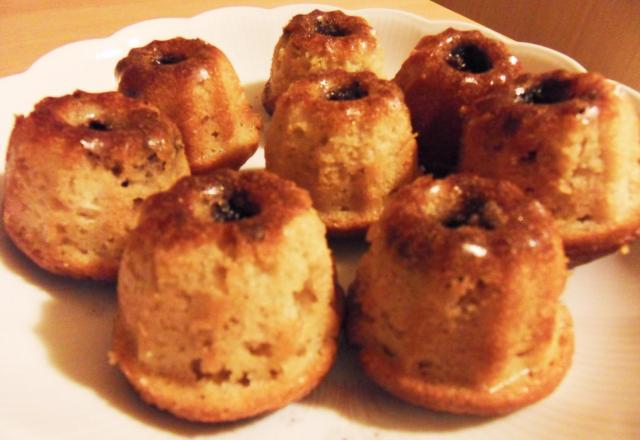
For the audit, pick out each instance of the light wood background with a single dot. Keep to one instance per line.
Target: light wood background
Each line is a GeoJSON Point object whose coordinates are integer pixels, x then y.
{"type": "Point", "coordinates": [603, 35]}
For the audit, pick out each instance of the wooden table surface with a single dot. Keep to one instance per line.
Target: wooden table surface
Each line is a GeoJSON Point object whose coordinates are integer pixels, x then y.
{"type": "Point", "coordinates": [31, 28]}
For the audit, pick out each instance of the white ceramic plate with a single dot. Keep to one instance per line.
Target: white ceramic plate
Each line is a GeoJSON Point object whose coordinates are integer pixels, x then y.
{"type": "Point", "coordinates": [54, 333]}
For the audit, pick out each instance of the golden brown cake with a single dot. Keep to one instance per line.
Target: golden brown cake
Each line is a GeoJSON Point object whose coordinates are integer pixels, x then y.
{"type": "Point", "coordinates": [571, 141]}
{"type": "Point", "coordinates": [443, 73]}
{"type": "Point", "coordinates": [226, 298]}
{"type": "Point", "coordinates": [347, 139]}
{"type": "Point", "coordinates": [455, 306]}
{"type": "Point", "coordinates": [318, 42]}
{"type": "Point", "coordinates": [78, 168]}
{"type": "Point", "coordinates": [195, 84]}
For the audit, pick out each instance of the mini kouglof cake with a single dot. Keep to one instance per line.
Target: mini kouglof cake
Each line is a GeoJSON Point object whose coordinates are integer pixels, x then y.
{"type": "Point", "coordinates": [455, 306]}
{"type": "Point", "coordinates": [227, 305]}
{"type": "Point", "coordinates": [571, 141]}
{"type": "Point", "coordinates": [194, 83]}
{"type": "Point", "coordinates": [347, 139]}
{"type": "Point", "coordinates": [78, 168]}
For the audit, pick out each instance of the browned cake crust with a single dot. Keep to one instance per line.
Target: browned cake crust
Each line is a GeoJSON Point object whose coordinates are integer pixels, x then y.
{"type": "Point", "coordinates": [195, 84]}
{"type": "Point", "coordinates": [78, 168]}
{"type": "Point", "coordinates": [347, 139]}
{"type": "Point", "coordinates": [455, 305]}
{"type": "Point", "coordinates": [571, 141]}
{"type": "Point", "coordinates": [227, 305]}
{"type": "Point", "coordinates": [535, 385]}
{"type": "Point", "coordinates": [317, 42]}
{"type": "Point", "coordinates": [444, 73]}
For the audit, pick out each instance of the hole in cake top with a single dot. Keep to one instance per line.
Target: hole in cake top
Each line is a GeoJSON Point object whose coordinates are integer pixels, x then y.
{"type": "Point", "coordinates": [170, 58]}
{"type": "Point", "coordinates": [237, 207]}
{"type": "Point", "coordinates": [469, 58]}
{"type": "Point", "coordinates": [98, 125]}
{"type": "Point", "coordinates": [548, 91]}
{"type": "Point", "coordinates": [349, 92]}
{"type": "Point", "coordinates": [330, 29]}
{"type": "Point", "coordinates": [472, 213]}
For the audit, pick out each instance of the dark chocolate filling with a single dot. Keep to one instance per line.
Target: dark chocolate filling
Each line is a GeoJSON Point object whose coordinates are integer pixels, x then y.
{"type": "Point", "coordinates": [469, 58]}
{"type": "Point", "coordinates": [350, 92]}
{"type": "Point", "coordinates": [170, 58]}
{"type": "Point", "coordinates": [330, 29]}
{"type": "Point", "coordinates": [236, 207]}
{"type": "Point", "coordinates": [549, 91]}
{"type": "Point", "coordinates": [472, 213]}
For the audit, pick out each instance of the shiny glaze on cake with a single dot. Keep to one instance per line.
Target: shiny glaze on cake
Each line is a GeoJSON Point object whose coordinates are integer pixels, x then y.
{"type": "Point", "coordinates": [347, 139]}
{"type": "Point", "coordinates": [437, 83]}
{"type": "Point", "coordinates": [455, 306]}
{"type": "Point", "coordinates": [227, 302]}
{"type": "Point", "coordinates": [78, 168]}
{"type": "Point", "coordinates": [194, 83]}
{"type": "Point", "coordinates": [571, 141]}
{"type": "Point", "coordinates": [321, 41]}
